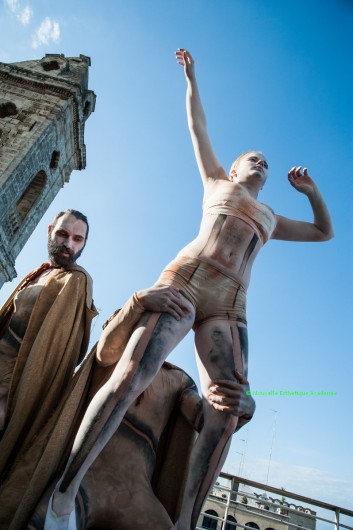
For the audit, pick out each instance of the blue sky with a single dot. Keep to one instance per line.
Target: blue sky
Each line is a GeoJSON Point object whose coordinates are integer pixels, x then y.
{"type": "Point", "coordinates": [274, 76]}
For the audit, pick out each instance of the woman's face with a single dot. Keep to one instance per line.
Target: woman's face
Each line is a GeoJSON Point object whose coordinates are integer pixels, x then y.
{"type": "Point", "coordinates": [250, 165]}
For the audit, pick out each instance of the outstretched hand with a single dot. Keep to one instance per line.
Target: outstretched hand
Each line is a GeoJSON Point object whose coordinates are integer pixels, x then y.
{"type": "Point", "coordinates": [232, 396]}
{"type": "Point", "coordinates": [185, 60]}
{"type": "Point", "coordinates": [301, 181]}
{"type": "Point", "coordinates": [164, 299]}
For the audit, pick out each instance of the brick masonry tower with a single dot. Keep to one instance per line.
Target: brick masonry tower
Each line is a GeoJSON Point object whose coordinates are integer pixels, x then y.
{"type": "Point", "coordinates": [43, 108]}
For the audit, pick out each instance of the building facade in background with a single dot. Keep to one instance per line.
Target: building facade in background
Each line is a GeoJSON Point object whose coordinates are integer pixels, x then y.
{"type": "Point", "coordinates": [44, 105]}
{"type": "Point", "coordinates": [232, 505]}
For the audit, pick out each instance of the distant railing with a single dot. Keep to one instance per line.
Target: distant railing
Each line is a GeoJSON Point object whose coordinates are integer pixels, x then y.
{"type": "Point", "coordinates": [226, 494]}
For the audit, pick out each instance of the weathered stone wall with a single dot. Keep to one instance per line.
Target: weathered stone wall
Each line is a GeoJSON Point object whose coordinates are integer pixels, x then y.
{"type": "Point", "coordinates": [43, 108]}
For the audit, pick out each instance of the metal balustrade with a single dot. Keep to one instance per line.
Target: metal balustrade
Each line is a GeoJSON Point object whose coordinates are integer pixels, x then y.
{"type": "Point", "coordinates": [227, 498]}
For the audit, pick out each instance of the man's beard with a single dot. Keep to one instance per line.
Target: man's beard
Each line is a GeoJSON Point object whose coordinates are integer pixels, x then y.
{"type": "Point", "coordinates": [56, 257]}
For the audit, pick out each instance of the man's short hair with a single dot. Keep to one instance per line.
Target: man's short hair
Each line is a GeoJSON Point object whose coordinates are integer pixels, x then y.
{"type": "Point", "coordinates": [79, 215]}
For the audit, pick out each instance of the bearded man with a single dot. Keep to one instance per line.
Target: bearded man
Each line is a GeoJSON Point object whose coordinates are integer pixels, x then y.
{"type": "Point", "coordinates": [44, 334]}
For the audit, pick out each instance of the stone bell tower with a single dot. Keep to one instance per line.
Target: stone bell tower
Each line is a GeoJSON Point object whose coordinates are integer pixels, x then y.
{"type": "Point", "coordinates": [44, 105]}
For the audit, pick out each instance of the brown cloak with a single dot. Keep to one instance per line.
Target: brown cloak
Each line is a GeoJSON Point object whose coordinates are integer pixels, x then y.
{"type": "Point", "coordinates": [56, 340]}
{"type": "Point", "coordinates": [52, 447]}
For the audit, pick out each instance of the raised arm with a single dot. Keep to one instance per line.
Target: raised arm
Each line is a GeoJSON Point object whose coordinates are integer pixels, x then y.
{"type": "Point", "coordinates": [209, 166]}
{"type": "Point", "coordinates": [321, 228]}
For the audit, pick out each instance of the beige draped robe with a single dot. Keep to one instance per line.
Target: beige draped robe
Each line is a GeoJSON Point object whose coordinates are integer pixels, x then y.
{"type": "Point", "coordinates": [56, 340]}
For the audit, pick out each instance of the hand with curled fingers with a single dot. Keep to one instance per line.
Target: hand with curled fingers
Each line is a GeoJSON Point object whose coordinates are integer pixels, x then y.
{"type": "Point", "coordinates": [233, 396]}
{"type": "Point", "coordinates": [185, 60]}
{"type": "Point", "coordinates": [164, 299]}
{"type": "Point", "coordinates": [301, 181]}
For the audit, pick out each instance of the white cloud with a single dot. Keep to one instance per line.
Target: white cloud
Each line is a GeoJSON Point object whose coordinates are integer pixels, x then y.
{"type": "Point", "coordinates": [24, 15]}
{"type": "Point", "coordinates": [12, 5]}
{"type": "Point", "coordinates": [308, 481]}
{"type": "Point", "coordinates": [48, 31]}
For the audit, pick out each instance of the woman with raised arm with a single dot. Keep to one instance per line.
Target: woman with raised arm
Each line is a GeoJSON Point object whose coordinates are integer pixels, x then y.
{"type": "Point", "coordinates": [212, 273]}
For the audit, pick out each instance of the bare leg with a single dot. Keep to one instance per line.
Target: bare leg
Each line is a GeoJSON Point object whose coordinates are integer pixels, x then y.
{"type": "Point", "coordinates": [219, 349]}
{"type": "Point", "coordinates": [134, 372]}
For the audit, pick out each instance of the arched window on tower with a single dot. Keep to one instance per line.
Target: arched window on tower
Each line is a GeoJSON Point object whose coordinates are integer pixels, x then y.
{"type": "Point", "coordinates": [31, 194]}
{"type": "Point", "coordinates": [7, 108]}
{"type": "Point", "coordinates": [50, 65]}
{"type": "Point", "coordinates": [209, 523]}
{"type": "Point", "coordinates": [87, 110]}
{"type": "Point", "coordinates": [54, 160]}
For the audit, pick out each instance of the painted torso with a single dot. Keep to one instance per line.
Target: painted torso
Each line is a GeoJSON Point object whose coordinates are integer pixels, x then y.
{"type": "Point", "coordinates": [233, 229]}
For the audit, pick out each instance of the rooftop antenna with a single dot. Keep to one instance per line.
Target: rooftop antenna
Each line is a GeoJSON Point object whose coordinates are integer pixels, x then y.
{"type": "Point", "coordinates": [240, 461]}
{"type": "Point", "coordinates": [241, 466]}
{"type": "Point", "coordinates": [272, 441]}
